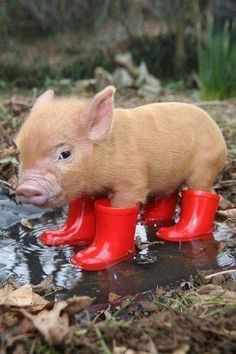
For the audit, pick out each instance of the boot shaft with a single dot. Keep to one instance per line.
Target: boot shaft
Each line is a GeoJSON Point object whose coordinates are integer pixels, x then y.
{"type": "Point", "coordinates": [199, 207]}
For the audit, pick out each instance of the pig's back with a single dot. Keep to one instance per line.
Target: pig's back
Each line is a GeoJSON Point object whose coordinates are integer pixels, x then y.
{"type": "Point", "coordinates": [168, 138]}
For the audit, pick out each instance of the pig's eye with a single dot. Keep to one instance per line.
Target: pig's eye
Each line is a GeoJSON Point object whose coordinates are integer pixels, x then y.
{"type": "Point", "coordinates": [64, 155]}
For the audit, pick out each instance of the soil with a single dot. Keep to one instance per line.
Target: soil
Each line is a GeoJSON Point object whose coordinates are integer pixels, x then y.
{"type": "Point", "coordinates": [198, 316]}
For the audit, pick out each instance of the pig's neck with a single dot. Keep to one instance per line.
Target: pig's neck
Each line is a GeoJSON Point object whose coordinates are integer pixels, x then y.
{"type": "Point", "coordinates": [99, 168]}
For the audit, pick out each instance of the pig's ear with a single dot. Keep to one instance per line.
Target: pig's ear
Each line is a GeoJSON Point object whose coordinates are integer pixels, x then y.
{"type": "Point", "coordinates": [99, 113]}
{"type": "Point", "coordinates": [43, 99]}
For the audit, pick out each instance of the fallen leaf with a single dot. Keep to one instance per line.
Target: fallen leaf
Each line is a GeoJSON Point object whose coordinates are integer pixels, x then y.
{"type": "Point", "coordinates": [231, 242]}
{"type": "Point", "coordinates": [160, 292]}
{"type": "Point", "coordinates": [210, 289]}
{"type": "Point", "coordinates": [8, 319]}
{"type": "Point", "coordinates": [226, 204]}
{"type": "Point", "coordinates": [26, 223]}
{"type": "Point", "coordinates": [120, 350]}
{"type": "Point", "coordinates": [216, 290]}
{"type": "Point", "coordinates": [112, 297]}
{"type": "Point", "coordinates": [182, 350]}
{"type": "Point", "coordinates": [25, 326]}
{"type": "Point", "coordinates": [13, 180]}
{"type": "Point", "coordinates": [148, 306]}
{"type": "Point", "coordinates": [53, 325]}
{"type": "Point", "coordinates": [22, 297]}
{"type": "Point", "coordinates": [45, 286]}
{"type": "Point", "coordinates": [76, 304]}
{"type": "Point", "coordinates": [9, 152]}
{"type": "Point", "coordinates": [229, 213]}
{"type": "Point", "coordinates": [231, 223]}
{"type": "Point", "coordinates": [4, 293]}
{"type": "Point", "coordinates": [17, 104]}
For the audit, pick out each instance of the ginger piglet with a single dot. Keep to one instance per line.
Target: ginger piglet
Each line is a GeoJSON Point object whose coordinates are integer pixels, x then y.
{"type": "Point", "coordinates": [73, 150]}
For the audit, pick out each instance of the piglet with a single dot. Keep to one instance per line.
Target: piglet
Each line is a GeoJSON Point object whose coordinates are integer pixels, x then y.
{"type": "Point", "coordinates": [73, 150]}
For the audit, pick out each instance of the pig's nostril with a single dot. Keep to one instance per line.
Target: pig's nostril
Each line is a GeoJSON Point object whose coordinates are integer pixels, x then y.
{"type": "Point", "coordinates": [28, 192]}
{"type": "Point", "coordinates": [37, 194]}
{"type": "Point", "coordinates": [32, 195]}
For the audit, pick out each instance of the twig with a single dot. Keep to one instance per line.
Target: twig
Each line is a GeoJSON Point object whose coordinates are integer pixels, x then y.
{"type": "Point", "coordinates": [220, 273]}
{"type": "Point", "coordinates": [6, 183]}
{"type": "Point", "coordinates": [228, 182]}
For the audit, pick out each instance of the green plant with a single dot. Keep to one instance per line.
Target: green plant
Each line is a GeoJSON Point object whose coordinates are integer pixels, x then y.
{"type": "Point", "coordinates": [217, 67]}
{"type": "Point", "coordinates": [158, 52]}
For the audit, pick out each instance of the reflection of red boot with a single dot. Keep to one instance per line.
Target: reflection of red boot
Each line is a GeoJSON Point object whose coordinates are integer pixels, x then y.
{"type": "Point", "coordinates": [114, 240]}
{"type": "Point", "coordinates": [197, 215]}
{"type": "Point", "coordinates": [160, 211]}
{"type": "Point", "coordinates": [79, 227]}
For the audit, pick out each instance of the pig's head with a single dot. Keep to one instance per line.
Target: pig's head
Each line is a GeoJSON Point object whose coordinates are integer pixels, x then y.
{"type": "Point", "coordinates": [56, 144]}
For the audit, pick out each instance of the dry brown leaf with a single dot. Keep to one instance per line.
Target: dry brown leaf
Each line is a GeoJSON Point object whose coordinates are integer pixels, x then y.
{"type": "Point", "coordinates": [45, 286]}
{"type": "Point", "coordinates": [9, 152]}
{"type": "Point", "coordinates": [22, 297]}
{"type": "Point", "coordinates": [182, 350]}
{"type": "Point", "coordinates": [26, 223]}
{"type": "Point", "coordinates": [216, 290]}
{"type": "Point", "coordinates": [119, 350]}
{"type": "Point", "coordinates": [78, 303]}
{"type": "Point", "coordinates": [210, 289]}
{"type": "Point", "coordinates": [53, 325]}
{"type": "Point", "coordinates": [13, 180]}
{"type": "Point", "coordinates": [25, 326]}
{"type": "Point", "coordinates": [226, 204]}
{"type": "Point", "coordinates": [112, 297]}
{"type": "Point", "coordinates": [231, 242]}
{"type": "Point", "coordinates": [4, 293]}
{"type": "Point", "coordinates": [148, 306]}
{"type": "Point", "coordinates": [229, 213]}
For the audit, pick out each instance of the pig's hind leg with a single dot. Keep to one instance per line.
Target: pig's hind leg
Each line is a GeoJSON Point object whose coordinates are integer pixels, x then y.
{"type": "Point", "coordinates": [202, 178]}
{"type": "Point", "coordinates": [198, 208]}
{"type": "Point", "coordinates": [207, 166]}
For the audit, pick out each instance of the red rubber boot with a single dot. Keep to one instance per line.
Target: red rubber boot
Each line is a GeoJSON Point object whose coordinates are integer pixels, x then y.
{"type": "Point", "coordinates": [114, 240]}
{"type": "Point", "coordinates": [79, 227]}
{"type": "Point", "coordinates": [197, 215]}
{"type": "Point", "coordinates": [160, 211]}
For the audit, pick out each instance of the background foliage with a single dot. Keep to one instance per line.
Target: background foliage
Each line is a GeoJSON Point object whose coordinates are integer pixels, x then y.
{"type": "Point", "coordinates": [192, 41]}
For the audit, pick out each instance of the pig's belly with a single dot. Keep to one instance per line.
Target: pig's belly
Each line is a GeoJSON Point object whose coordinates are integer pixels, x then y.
{"type": "Point", "coordinates": [168, 180]}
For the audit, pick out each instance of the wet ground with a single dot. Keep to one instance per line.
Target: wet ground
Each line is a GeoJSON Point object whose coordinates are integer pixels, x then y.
{"type": "Point", "coordinates": [24, 258]}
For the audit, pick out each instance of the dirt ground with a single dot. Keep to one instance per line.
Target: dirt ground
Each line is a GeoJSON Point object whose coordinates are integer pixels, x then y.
{"type": "Point", "coordinates": [197, 317]}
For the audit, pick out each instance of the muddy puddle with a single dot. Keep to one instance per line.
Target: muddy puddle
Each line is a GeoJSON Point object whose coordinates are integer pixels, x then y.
{"type": "Point", "coordinates": [25, 259]}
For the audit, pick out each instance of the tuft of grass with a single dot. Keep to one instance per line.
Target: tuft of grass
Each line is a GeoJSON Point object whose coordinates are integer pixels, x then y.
{"type": "Point", "coordinates": [217, 67]}
{"type": "Point", "coordinates": [104, 347]}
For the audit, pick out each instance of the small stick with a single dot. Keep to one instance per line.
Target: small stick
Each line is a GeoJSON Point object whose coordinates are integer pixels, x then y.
{"type": "Point", "coordinates": [6, 183]}
{"type": "Point", "coordinates": [220, 273]}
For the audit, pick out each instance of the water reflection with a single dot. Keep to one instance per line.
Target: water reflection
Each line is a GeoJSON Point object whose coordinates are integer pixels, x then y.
{"type": "Point", "coordinates": [22, 255]}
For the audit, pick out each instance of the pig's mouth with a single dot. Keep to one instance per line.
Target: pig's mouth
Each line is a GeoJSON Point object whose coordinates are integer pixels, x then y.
{"type": "Point", "coordinates": [55, 201]}
{"type": "Point", "coordinates": [38, 191]}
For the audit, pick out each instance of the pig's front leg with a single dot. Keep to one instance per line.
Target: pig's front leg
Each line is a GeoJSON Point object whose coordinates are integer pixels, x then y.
{"type": "Point", "coordinates": [115, 231]}
{"type": "Point", "coordinates": [126, 197]}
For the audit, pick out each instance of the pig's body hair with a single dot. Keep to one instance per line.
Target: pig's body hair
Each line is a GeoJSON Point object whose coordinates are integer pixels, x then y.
{"type": "Point", "coordinates": [149, 150]}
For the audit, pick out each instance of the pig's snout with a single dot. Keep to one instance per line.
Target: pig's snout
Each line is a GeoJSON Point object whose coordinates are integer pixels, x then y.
{"type": "Point", "coordinates": [30, 194]}
{"type": "Point", "coordinates": [38, 189]}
